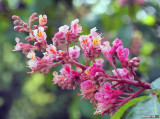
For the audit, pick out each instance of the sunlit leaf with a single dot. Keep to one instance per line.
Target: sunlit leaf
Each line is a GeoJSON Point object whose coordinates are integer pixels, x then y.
{"type": "Point", "coordinates": [130, 103]}
{"type": "Point", "coordinates": [155, 85]}
{"type": "Point", "coordinates": [149, 106]}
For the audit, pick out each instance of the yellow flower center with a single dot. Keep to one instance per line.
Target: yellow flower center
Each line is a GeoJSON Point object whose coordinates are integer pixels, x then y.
{"type": "Point", "coordinates": [60, 52]}
{"type": "Point", "coordinates": [87, 71]}
{"type": "Point", "coordinates": [42, 20]}
{"type": "Point", "coordinates": [95, 42]}
{"type": "Point", "coordinates": [32, 57]}
{"type": "Point", "coordinates": [39, 34]}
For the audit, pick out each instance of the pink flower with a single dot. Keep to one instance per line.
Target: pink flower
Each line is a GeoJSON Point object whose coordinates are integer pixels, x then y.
{"type": "Point", "coordinates": [40, 34]}
{"type": "Point", "coordinates": [66, 70]}
{"type": "Point", "coordinates": [18, 45]}
{"type": "Point", "coordinates": [116, 44]}
{"type": "Point", "coordinates": [87, 85]}
{"type": "Point", "coordinates": [91, 71]}
{"type": "Point", "coordinates": [99, 63]}
{"type": "Point", "coordinates": [62, 31]}
{"type": "Point", "coordinates": [75, 27]}
{"type": "Point", "coordinates": [105, 49]}
{"type": "Point", "coordinates": [103, 108]}
{"type": "Point", "coordinates": [96, 38]}
{"type": "Point", "coordinates": [31, 55]}
{"type": "Point", "coordinates": [122, 53]}
{"type": "Point", "coordinates": [21, 46]}
{"type": "Point", "coordinates": [58, 78]}
{"type": "Point", "coordinates": [51, 49]}
{"type": "Point", "coordinates": [106, 96]}
{"type": "Point", "coordinates": [42, 20]}
{"type": "Point", "coordinates": [106, 92]}
{"type": "Point", "coordinates": [124, 73]}
{"type": "Point", "coordinates": [68, 79]}
{"type": "Point", "coordinates": [74, 52]}
{"type": "Point", "coordinates": [87, 89]}
{"type": "Point", "coordinates": [93, 32]}
{"type": "Point", "coordinates": [85, 41]}
{"type": "Point", "coordinates": [32, 63]}
{"type": "Point", "coordinates": [96, 41]}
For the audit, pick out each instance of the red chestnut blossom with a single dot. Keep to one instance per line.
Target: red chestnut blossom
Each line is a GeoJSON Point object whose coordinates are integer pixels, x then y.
{"type": "Point", "coordinates": [116, 43]}
{"type": "Point", "coordinates": [66, 34]}
{"type": "Point", "coordinates": [122, 55]}
{"type": "Point", "coordinates": [85, 42]}
{"type": "Point", "coordinates": [40, 34]}
{"type": "Point", "coordinates": [125, 73]}
{"type": "Point", "coordinates": [88, 89]}
{"type": "Point", "coordinates": [107, 98]}
{"type": "Point", "coordinates": [52, 51]}
{"type": "Point", "coordinates": [93, 80]}
{"type": "Point", "coordinates": [75, 27]}
{"type": "Point", "coordinates": [105, 49]}
{"type": "Point", "coordinates": [68, 79]}
{"type": "Point", "coordinates": [74, 52]}
{"type": "Point", "coordinates": [42, 20]}
{"type": "Point", "coordinates": [95, 37]}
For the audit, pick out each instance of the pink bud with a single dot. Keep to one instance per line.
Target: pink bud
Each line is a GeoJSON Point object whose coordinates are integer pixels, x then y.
{"type": "Point", "coordinates": [14, 17]}
{"type": "Point", "coordinates": [25, 24]}
{"type": "Point", "coordinates": [28, 38]}
{"type": "Point", "coordinates": [136, 64]}
{"type": "Point", "coordinates": [16, 28]}
{"type": "Point", "coordinates": [45, 27]}
{"type": "Point", "coordinates": [130, 63]}
{"type": "Point", "coordinates": [16, 22]}
{"type": "Point", "coordinates": [20, 30]}
{"type": "Point", "coordinates": [134, 68]}
{"type": "Point", "coordinates": [135, 59]}
{"type": "Point", "coordinates": [34, 15]}
{"type": "Point", "coordinates": [35, 27]}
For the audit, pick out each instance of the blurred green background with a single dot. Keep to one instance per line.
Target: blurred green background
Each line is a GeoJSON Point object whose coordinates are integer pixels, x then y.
{"type": "Point", "coordinates": [23, 96]}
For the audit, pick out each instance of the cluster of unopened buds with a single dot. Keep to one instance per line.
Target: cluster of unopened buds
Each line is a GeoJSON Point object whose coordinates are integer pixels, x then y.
{"type": "Point", "coordinates": [108, 92]}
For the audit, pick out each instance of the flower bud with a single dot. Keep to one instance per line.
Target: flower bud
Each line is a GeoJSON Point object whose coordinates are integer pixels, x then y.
{"type": "Point", "coordinates": [21, 30]}
{"type": "Point", "coordinates": [35, 27]}
{"type": "Point", "coordinates": [45, 27]}
{"type": "Point", "coordinates": [14, 17]}
{"type": "Point", "coordinates": [16, 28]}
{"type": "Point", "coordinates": [25, 25]}
{"type": "Point", "coordinates": [16, 22]}
{"type": "Point", "coordinates": [34, 15]}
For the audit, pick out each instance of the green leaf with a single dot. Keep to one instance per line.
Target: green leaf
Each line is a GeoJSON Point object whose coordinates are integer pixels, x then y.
{"type": "Point", "coordinates": [130, 103]}
{"type": "Point", "coordinates": [155, 85]}
{"type": "Point", "coordinates": [149, 106]}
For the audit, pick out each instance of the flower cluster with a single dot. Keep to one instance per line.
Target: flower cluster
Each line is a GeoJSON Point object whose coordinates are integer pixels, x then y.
{"type": "Point", "coordinates": [107, 91]}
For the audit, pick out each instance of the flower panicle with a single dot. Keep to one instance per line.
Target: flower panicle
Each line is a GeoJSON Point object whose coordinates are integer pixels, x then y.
{"type": "Point", "coordinates": [93, 80]}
